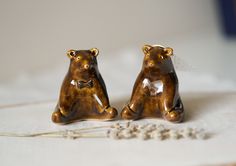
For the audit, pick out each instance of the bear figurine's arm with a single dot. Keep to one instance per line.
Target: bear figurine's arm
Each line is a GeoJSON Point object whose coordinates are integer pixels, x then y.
{"type": "Point", "coordinates": [170, 103]}
{"type": "Point", "coordinates": [66, 97]}
{"type": "Point", "coordinates": [141, 87]}
{"type": "Point", "coordinates": [136, 104]}
{"type": "Point", "coordinates": [100, 95]}
{"type": "Point", "coordinates": [103, 86]}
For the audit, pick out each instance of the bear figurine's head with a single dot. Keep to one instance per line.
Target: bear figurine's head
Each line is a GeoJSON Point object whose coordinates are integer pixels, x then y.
{"type": "Point", "coordinates": [83, 60]}
{"type": "Point", "coordinates": [155, 55]}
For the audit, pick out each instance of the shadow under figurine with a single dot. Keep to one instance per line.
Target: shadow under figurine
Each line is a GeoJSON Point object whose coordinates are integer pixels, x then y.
{"type": "Point", "coordinates": [83, 93]}
{"type": "Point", "coordinates": [155, 92]}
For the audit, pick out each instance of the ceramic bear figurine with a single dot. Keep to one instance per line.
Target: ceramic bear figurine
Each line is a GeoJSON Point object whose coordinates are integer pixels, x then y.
{"type": "Point", "coordinates": [155, 92]}
{"type": "Point", "coordinates": [83, 93]}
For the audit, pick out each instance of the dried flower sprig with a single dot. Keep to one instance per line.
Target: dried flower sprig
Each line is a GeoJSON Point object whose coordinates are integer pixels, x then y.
{"type": "Point", "coordinates": [122, 131]}
{"type": "Point", "coordinates": [153, 131]}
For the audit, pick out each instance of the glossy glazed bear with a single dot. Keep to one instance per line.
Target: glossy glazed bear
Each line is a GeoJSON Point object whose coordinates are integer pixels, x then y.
{"type": "Point", "coordinates": [83, 93]}
{"type": "Point", "coordinates": [155, 92]}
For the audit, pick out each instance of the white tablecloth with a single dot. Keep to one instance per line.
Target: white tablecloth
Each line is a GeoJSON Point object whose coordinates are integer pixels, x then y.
{"type": "Point", "coordinates": [214, 112]}
{"type": "Point", "coordinates": [209, 103]}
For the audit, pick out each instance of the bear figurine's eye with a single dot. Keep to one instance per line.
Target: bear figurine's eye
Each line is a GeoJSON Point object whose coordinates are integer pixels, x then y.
{"type": "Point", "coordinates": [78, 57]}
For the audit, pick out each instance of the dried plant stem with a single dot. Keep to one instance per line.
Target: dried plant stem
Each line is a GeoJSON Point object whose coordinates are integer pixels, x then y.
{"type": "Point", "coordinates": [121, 131]}
{"type": "Point", "coordinates": [54, 135]}
{"type": "Point", "coordinates": [93, 136]}
{"type": "Point", "coordinates": [94, 128]}
{"type": "Point", "coordinates": [57, 133]}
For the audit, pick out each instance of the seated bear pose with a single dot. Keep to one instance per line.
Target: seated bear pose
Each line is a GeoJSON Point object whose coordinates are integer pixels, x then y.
{"type": "Point", "coordinates": [155, 92]}
{"type": "Point", "coordinates": [83, 93]}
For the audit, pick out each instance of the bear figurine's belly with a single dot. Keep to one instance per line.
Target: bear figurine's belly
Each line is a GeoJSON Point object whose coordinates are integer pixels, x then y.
{"type": "Point", "coordinates": [155, 87]}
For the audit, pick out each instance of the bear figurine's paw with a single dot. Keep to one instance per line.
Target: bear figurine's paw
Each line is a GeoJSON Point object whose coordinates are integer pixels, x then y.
{"type": "Point", "coordinates": [175, 116]}
{"type": "Point", "coordinates": [57, 117]}
{"type": "Point", "coordinates": [129, 114]}
{"type": "Point", "coordinates": [111, 113]}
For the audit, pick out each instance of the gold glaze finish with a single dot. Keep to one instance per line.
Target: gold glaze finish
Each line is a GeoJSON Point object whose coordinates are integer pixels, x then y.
{"type": "Point", "coordinates": [83, 92]}
{"type": "Point", "coordinates": [155, 92]}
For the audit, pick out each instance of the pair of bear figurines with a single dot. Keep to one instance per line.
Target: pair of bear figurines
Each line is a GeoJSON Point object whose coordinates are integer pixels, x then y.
{"type": "Point", "coordinates": [155, 93]}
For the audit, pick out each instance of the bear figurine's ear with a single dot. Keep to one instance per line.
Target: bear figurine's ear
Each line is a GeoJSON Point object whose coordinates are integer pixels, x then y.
{"type": "Point", "coordinates": [146, 48]}
{"type": "Point", "coordinates": [168, 51]}
{"type": "Point", "coordinates": [94, 51]}
{"type": "Point", "coordinates": [71, 53]}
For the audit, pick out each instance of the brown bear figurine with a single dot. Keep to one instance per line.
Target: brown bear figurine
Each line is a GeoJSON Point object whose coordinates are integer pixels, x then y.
{"type": "Point", "coordinates": [155, 92]}
{"type": "Point", "coordinates": [83, 93]}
